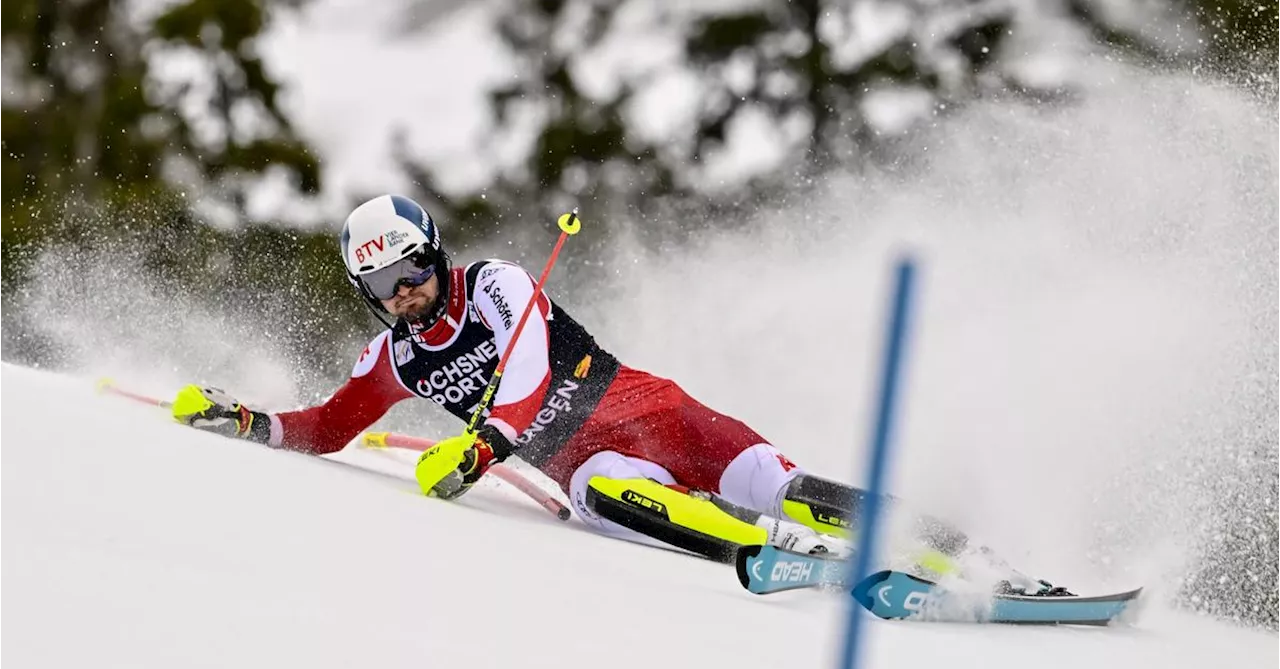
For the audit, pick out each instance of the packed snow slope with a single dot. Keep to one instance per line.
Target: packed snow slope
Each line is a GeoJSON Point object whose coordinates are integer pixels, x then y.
{"type": "Point", "coordinates": [130, 541]}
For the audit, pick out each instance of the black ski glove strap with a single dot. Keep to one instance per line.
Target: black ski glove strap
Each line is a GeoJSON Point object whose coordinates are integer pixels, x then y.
{"type": "Point", "coordinates": [502, 448]}
{"type": "Point", "coordinates": [259, 426]}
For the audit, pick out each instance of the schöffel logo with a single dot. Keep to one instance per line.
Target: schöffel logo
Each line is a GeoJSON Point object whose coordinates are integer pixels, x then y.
{"type": "Point", "coordinates": [633, 497]}
{"type": "Point", "coordinates": [499, 302]}
{"type": "Point", "coordinates": [791, 571]}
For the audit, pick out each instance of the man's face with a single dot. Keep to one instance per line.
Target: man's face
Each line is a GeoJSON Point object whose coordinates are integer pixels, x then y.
{"type": "Point", "coordinates": [413, 302]}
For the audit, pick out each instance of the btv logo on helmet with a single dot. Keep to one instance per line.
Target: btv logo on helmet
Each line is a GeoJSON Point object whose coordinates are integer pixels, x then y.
{"type": "Point", "coordinates": [364, 250]}
{"type": "Point", "coordinates": [392, 239]}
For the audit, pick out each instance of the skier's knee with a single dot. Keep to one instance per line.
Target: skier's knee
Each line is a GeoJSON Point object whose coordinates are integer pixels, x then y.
{"type": "Point", "coordinates": [757, 478]}
{"type": "Point", "coordinates": [671, 515]}
{"type": "Point", "coordinates": [609, 464]}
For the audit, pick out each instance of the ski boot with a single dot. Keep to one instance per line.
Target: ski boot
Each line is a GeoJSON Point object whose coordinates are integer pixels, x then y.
{"type": "Point", "coordinates": [1042, 588]}
{"type": "Point", "coordinates": [798, 538]}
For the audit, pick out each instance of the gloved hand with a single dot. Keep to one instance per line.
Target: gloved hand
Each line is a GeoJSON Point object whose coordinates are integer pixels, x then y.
{"type": "Point", "coordinates": [212, 410]}
{"type": "Point", "coordinates": [453, 465]}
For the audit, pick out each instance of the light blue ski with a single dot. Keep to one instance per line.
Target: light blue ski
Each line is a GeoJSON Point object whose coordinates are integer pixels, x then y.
{"type": "Point", "coordinates": [896, 595]}
{"type": "Point", "coordinates": [765, 569]}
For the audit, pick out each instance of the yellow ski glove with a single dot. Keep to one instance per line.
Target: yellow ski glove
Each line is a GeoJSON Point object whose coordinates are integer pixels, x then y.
{"type": "Point", "coordinates": [212, 410]}
{"type": "Point", "coordinates": [453, 465]}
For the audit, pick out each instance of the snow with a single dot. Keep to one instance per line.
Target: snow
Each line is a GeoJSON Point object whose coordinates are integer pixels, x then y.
{"type": "Point", "coordinates": [132, 541]}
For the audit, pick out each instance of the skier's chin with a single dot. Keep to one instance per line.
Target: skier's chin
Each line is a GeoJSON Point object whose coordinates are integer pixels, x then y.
{"type": "Point", "coordinates": [417, 313]}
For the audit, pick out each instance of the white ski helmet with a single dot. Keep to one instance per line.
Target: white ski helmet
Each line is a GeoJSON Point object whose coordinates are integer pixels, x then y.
{"type": "Point", "coordinates": [391, 241]}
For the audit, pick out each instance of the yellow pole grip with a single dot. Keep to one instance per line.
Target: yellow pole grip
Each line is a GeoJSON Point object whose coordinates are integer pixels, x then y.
{"type": "Point", "coordinates": [374, 439]}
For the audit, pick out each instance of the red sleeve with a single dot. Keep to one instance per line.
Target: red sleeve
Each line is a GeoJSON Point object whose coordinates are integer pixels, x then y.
{"type": "Point", "coordinates": [372, 389]}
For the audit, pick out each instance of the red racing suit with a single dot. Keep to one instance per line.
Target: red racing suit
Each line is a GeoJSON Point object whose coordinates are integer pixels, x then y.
{"type": "Point", "coordinates": [561, 400]}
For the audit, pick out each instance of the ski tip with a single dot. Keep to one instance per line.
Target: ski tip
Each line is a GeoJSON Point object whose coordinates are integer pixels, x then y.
{"type": "Point", "coordinates": [1133, 610]}
{"type": "Point", "coordinates": [745, 553]}
{"type": "Point", "coordinates": [862, 591]}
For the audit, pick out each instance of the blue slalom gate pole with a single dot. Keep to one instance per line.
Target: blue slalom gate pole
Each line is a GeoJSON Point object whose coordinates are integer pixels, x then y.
{"type": "Point", "coordinates": [881, 439]}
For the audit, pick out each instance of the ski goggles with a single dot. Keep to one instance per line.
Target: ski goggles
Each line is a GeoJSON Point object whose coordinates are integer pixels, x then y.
{"type": "Point", "coordinates": [385, 283]}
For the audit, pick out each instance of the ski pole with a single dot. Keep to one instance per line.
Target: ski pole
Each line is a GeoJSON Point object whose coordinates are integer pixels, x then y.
{"type": "Point", "coordinates": [569, 224]}
{"type": "Point", "coordinates": [109, 386]}
{"type": "Point", "coordinates": [507, 474]}
{"type": "Point", "coordinates": [385, 439]}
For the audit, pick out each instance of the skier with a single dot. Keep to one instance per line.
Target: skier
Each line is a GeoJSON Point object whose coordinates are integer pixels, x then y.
{"type": "Point", "coordinates": [638, 457]}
